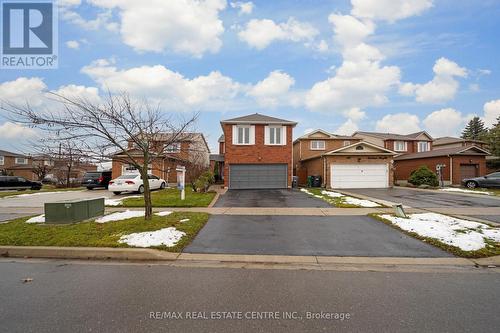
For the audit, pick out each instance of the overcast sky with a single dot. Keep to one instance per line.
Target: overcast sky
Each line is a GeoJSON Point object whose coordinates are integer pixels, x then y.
{"type": "Point", "coordinates": [375, 65]}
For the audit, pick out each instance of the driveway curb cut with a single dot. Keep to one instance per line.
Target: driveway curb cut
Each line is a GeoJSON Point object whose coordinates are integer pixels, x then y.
{"type": "Point", "coordinates": [157, 255]}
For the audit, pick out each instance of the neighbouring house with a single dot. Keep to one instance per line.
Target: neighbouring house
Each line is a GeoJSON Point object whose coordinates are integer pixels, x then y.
{"type": "Point", "coordinates": [256, 152]}
{"type": "Point", "coordinates": [217, 161]}
{"type": "Point", "coordinates": [401, 144]}
{"type": "Point", "coordinates": [459, 163]}
{"type": "Point", "coordinates": [190, 150]}
{"type": "Point", "coordinates": [38, 167]}
{"type": "Point", "coordinates": [342, 161]}
{"type": "Point", "coordinates": [451, 142]}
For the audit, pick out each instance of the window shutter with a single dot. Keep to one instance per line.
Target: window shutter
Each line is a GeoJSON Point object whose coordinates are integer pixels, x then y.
{"type": "Point", "coordinates": [252, 135]}
{"type": "Point", "coordinates": [266, 135]}
{"type": "Point", "coordinates": [283, 135]}
{"type": "Point", "coordinates": [235, 135]}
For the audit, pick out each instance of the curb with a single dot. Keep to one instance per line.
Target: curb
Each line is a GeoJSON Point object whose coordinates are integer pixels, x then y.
{"type": "Point", "coordinates": [89, 253]}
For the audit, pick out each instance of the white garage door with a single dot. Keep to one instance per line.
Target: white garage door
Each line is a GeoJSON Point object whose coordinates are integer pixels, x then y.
{"type": "Point", "coordinates": [359, 175]}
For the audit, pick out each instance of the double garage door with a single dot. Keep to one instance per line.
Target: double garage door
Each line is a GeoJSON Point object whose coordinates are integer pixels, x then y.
{"type": "Point", "coordinates": [257, 176]}
{"type": "Point", "coordinates": [359, 175]}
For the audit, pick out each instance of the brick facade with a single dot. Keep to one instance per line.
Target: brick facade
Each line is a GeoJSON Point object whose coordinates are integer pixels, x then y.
{"type": "Point", "coordinates": [403, 168]}
{"type": "Point", "coordinates": [258, 153]}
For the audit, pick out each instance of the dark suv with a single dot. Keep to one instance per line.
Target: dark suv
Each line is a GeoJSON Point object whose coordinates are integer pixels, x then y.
{"type": "Point", "coordinates": [96, 179]}
{"type": "Point", "coordinates": [18, 183]}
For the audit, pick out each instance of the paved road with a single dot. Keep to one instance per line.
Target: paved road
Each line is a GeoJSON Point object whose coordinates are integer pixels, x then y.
{"type": "Point", "coordinates": [4, 217]}
{"type": "Point", "coordinates": [38, 199]}
{"type": "Point", "coordinates": [307, 235]}
{"type": "Point", "coordinates": [427, 199]}
{"type": "Point", "coordinates": [119, 298]}
{"type": "Point", "coordinates": [268, 198]}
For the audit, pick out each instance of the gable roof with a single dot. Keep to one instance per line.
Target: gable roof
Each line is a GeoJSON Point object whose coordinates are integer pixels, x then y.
{"type": "Point", "coordinates": [342, 150]}
{"type": "Point", "coordinates": [394, 136]}
{"type": "Point", "coordinates": [258, 118]}
{"type": "Point", "coordinates": [222, 138]}
{"type": "Point", "coordinates": [449, 139]}
{"type": "Point", "coordinates": [470, 150]}
{"type": "Point", "coordinates": [10, 154]}
{"type": "Point", "coordinates": [328, 134]}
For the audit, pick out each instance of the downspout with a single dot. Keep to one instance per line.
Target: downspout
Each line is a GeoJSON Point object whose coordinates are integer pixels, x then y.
{"type": "Point", "coordinates": [324, 171]}
{"type": "Point", "coordinates": [451, 170]}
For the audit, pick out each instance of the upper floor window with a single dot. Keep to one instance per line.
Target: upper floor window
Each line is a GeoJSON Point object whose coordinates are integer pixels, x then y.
{"type": "Point", "coordinates": [2, 160]}
{"type": "Point", "coordinates": [400, 146]}
{"type": "Point", "coordinates": [274, 135]}
{"type": "Point", "coordinates": [243, 135]}
{"type": "Point", "coordinates": [317, 145]}
{"type": "Point", "coordinates": [21, 160]}
{"type": "Point", "coordinates": [347, 143]}
{"type": "Point", "coordinates": [424, 146]}
{"type": "Point", "coordinates": [174, 147]}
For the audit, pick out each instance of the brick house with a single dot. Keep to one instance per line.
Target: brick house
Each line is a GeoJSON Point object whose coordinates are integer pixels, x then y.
{"type": "Point", "coordinates": [189, 148]}
{"type": "Point", "coordinates": [402, 144]}
{"type": "Point", "coordinates": [342, 161]}
{"type": "Point", "coordinates": [460, 162]}
{"type": "Point", "coordinates": [17, 164]}
{"type": "Point", "coordinates": [451, 142]}
{"type": "Point", "coordinates": [257, 152]}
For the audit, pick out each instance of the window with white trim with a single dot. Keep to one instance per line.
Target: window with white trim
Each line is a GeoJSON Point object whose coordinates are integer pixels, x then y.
{"type": "Point", "coordinates": [274, 135]}
{"type": "Point", "coordinates": [174, 147]}
{"type": "Point", "coordinates": [424, 146]}
{"type": "Point", "coordinates": [317, 145]}
{"type": "Point", "coordinates": [21, 160]}
{"type": "Point", "coordinates": [400, 146]}
{"type": "Point", "coordinates": [242, 135]}
{"type": "Point", "coordinates": [347, 143]}
{"type": "Point", "coordinates": [2, 160]}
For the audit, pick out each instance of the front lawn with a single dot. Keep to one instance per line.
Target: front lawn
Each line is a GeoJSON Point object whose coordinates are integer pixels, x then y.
{"type": "Point", "coordinates": [460, 237]}
{"type": "Point", "coordinates": [171, 197]}
{"type": "Point", "coordinates": [45, 188]}
{"type": "Point", "coordinates": [92, 234]}
{"type": "Point", "coordinates": [339, 200]}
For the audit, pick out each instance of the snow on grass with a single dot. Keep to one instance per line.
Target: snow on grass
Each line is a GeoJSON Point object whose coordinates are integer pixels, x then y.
{"type": "Point", "coordinates": [163, 213]}
{"type": "Point", "coordinates": [128, 214]}
{"type": "Point", "coordinates": [464, 234]}
{"type": "Point", "coordinates": [118, 201]}
{"type": "Point", "coordinates": [310, 193]}
{"type": "Point", "coordinates": [167, 236]}
{"type": "Point", "coordinates": [37, 219]}
{"type": "Point", "coordinates": [350, 200]}
{"type": "Point", "coordinates": [35, 194]}
{"type": "Point", "coordinates": [463, 190]}
{"type": "Point", "coordinates": [183, 220]}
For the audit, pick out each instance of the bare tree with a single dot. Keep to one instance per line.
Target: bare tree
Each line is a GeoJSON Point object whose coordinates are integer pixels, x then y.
{"type": "Point", "coordinates": [117, 127]}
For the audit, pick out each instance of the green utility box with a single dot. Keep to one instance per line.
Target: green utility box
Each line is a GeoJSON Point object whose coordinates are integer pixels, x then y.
{"type": "Point", "coordinates": [71, 211]}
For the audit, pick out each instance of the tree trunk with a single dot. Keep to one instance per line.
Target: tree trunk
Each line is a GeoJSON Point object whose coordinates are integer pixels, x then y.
{"type": "Point", "coordinates": [68, 176]}
{"type": "Point", "coordinates": [148, 206]}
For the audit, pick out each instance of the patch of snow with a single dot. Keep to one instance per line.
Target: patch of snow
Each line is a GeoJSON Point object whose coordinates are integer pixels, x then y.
{"type": "Point", "coordinates": [164, 213]}
{"type": "Point", "coordinates": [167, 236]}
{"type": "Point", "coordinates": [120, 216]}
{"type": "Point", "coordinates": [360, 202]}
{"type": "Point", "coordinates": [332, 194]}
{"type": "Point", "coordinates": [461, 233]}
{"type": "Point", "coordinates": [118, 201]}
{"type": "Point", "coordinates": [37, 219]}
{"type": "Point", "coordinates": [183, 220]}
{"type": "Point", "coordinates": [463, 190]}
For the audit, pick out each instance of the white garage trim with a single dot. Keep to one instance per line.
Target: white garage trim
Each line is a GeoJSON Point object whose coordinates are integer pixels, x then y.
{"type": "Point", "coordinates": [359, 175]}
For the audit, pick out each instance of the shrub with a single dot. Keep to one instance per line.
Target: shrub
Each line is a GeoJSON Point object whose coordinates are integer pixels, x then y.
{"type": "Point", "coordinates": [203, 182]}
{"type": "Point", "coordinates": [423, 176]}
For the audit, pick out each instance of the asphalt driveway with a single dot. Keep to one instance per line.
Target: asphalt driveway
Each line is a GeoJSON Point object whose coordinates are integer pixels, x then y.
{"type": "Point", "coordinates": [307, 235]}
{"type": "Point", "coordinates": [426, 199]}
{"type": "Point", "coordinates": [269, 198]}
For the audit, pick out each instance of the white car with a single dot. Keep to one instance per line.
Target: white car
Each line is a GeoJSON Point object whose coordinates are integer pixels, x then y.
{"type": "Point", "coordinates": [134, 183]}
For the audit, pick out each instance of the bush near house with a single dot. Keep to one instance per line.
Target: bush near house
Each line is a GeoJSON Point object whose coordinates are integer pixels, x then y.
{"type": "Point", "coordinates": [203, 182]}
{"type": "Point", "coordinates": [423, 176]}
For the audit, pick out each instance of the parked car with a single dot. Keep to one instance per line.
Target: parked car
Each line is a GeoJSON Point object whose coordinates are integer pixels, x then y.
{"type": "Point", "coordinates": [491, 180]}
{"type": "Point", "coordinates": [18, 183]}
{"type": "Point", "coordinates": [134, 183]}
{"type": "Point", "coordinates": [96, 179]}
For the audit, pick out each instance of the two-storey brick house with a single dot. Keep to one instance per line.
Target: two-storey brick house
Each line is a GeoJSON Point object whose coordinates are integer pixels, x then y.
{"type": "Point", "coordinates": [403, 144]}
{"type": "Point", "coordinates": [257, 152]}
{"type": "Point", "coordinates": [342, 161]}
{"type": "Point", "coordinates": [188, 148]}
